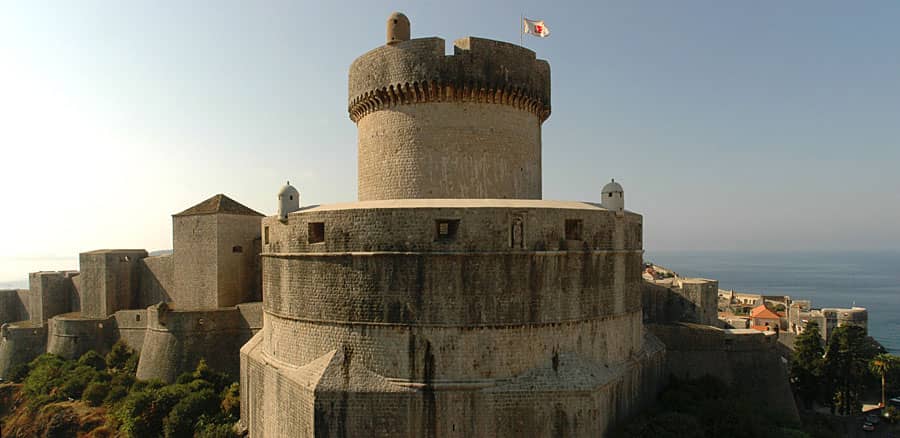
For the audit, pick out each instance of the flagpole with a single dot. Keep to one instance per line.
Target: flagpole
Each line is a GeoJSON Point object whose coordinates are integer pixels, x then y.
{"type": "Point", "coordinates": [521, 29]}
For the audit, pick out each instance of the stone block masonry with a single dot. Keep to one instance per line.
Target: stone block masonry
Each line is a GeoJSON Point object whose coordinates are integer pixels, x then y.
{"type": "Point", "coordinates": [467, 125]}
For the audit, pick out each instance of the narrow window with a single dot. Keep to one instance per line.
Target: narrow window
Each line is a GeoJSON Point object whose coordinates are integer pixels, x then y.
{"type": "Point", "coordinates": [137, 317]}
{"type": "Point", "coordinates": [237, 249]}
{"type": "Point", "coordinates": [291, 197]}
{"type": "Point", "coordinates": [266, 235]}
{"type": "Point", "coordinates": [316, 232]}
{"type": "Point", "coordinates": [445, 229]}
{"type": "Point", "coordinates": [573, 229]}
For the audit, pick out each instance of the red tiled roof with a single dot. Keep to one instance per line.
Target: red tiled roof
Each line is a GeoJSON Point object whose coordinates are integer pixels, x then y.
{"type": "Point", "coordinates": [763, 312]}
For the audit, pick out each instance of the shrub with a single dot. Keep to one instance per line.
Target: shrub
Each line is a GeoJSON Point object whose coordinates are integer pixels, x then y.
{"type": "Point", "coordinates": [181, 419]}
{"type": "Point", "coordinates": [18, 373]}
{"type": "Point", "coordinates": [76, 380]}
{"type": "Point", "coordinates": [93, 360]}
{"type": "Point", "coordinates": [216, 431]}
{"type": "Point", "coordinates": [48, 372]}
{"type": "Point", "coordinates": [95, 393]}
{"type": "Point", "coordinates": [231, 400]}
{"type": "Point", "coordinates": [115, 394]}
{"type": "Point", "coordinates": [137, 416]}
{"type": "Point", "coordinates": [119, 357]}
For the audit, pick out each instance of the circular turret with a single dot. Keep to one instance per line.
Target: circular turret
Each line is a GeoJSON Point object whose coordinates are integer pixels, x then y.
{"type": "Point", "coordinates": [397, 28]}
{"type": "Point", "coordinates": [466, 125]}
{"type": "Point", "coordinates": [613, 197]}
{"type": "Point", "coordinates": [288, 200]}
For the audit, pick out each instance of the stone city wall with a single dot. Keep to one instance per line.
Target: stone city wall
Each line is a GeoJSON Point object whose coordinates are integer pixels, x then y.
{"type": "Point", "coordinates": [157, 276]}
{"type": "Point", "coordinates": [693, 302]}
{"type": "Point", "coordinates": [482, 226]}
{"type": "Point", "coordinates": [734, 356]}
{"type": "Point", "coordinates": [131, 327]}
{"type": "Point", "coordinates": [176, 340]}
{"type": "Point", "coordinates": [196, 283]}
{"type": "Point", "coordinates": [237, 260]}
{"type": "Point", "coordinates": [110, 281]}
{"type": "Point", "coordinates": [13, 305]}
{"type": "Point", "coordinates": [49, 295]}
{"type": "Point", "coordinates": [70, 335]}
{"type": "Point", "coordinates": [476, 352]}
{"type": "Point", "coordinates": [20, 344]}
{"type": "Point", "coordinates": [453, 289]}
{"type": "Point", "coordinates": [335, 396]}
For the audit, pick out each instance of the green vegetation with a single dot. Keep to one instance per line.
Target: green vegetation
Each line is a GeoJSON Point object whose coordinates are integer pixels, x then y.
{"type": "Point", "coordinates": [881, 366]}
{"type": "Point", "coordinates": [707, 407]}
{"type": "Point", "coordinates": [837, 374]}
{"type": "Point", "coordinates": [203, 403]}
{"type": "Point", "coordinates": [807, 367]}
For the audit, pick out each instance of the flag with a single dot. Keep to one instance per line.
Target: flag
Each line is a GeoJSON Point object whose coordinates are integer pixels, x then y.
{"type": "Point", "coordinates": [535, 27]}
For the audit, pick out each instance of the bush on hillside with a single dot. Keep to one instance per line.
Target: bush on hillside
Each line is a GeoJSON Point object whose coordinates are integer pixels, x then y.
{"type": "Point", "coordinates": [93, 360]}
{"type": "Point", "coordinates": [95, 393]}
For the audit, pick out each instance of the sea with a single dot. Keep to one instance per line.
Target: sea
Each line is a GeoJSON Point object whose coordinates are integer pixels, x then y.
{"type": "Point", "coordinates": [828, 279]}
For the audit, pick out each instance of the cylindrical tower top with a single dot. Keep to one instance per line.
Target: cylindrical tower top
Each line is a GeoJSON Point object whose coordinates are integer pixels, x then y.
{"type": "Point", "coordinates": [466, 125]}
{"type": "Point", "coordinates": [397, 28]}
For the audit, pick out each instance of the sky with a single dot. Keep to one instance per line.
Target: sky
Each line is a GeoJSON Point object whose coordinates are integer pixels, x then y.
{"type": "Point", "coordinates": [734, 126]}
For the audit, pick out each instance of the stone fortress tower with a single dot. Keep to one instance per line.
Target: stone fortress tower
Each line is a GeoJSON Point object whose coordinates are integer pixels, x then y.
{"type": "Point", "coordinates": [200, 301]}
{"type": "Point", "coordinates": [451, 300]}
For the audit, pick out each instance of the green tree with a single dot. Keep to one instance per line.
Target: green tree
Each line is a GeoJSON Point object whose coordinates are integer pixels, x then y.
{"type": "Point", "coordinates": [846, 367]}
{"type": "Point", "coordinates": [93, 360]}
{"type": "Point", "coordinates": [881, 365]}
{"type": "Point", "coordinates": [806, 368]}
{"type": "Point", "coordinates": [120, 357]}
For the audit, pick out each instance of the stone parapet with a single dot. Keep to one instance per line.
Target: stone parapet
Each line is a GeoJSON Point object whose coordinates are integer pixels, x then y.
{"type": "Point", "coordinates": [176, 340]}
{"type": "Point", "coordinates": [479, 70]}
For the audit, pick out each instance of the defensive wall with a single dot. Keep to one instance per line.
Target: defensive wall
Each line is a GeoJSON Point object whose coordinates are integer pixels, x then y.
{"type": "Point", "coordinates": [469, 123]}
{"type": "Point", "coordinates": [176, 340]}
{"type": "Point", "coordinates": [20, 343]}
{"type": "Point", "coordinates": [13, 305]}
{"type": "Point", "coordinates": [746, 359]}
{"type": "Point", "coordinates": [449, 317]}
{"type": "Point", "coordinates": [25, 314]}
{"type": "Point", "coordinates": [681, 300]}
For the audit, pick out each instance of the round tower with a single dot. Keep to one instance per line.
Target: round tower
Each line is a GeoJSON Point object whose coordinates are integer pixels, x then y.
{"type": "Point", "coordinates": [613, 197]}
{"type": "Point", "coordinates": [288, 200]}
{"type": "Point", "coordinates": [466, 125]}
{"type": "Point", "coordinates": [397, 28]}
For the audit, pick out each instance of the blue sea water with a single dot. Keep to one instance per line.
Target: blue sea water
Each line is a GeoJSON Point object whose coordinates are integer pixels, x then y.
{"type": "Point", "coordinates": [829, 279]}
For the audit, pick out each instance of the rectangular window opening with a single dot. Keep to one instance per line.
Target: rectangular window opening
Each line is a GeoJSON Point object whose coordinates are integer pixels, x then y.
{"type": "Point", "coordinates": [266, 235]}
{"type": "Point", "coordinates": [573, 229]}
{"type": "Point", "coordinates": [445, 229]}
{"type": "Point", "coordinates": [316, 232]}
{"type": "Point", "coordinates": [237, 249]}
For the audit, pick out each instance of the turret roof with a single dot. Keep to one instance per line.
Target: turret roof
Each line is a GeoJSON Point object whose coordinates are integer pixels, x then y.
{"type": "Point", "coordinates": [612, 186]}
{"type": "Point", "coordinates": [219, 204]}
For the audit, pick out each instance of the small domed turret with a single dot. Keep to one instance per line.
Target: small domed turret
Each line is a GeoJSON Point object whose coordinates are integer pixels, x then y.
{"type": "Point", "coordinates": [397, 28]}
{"type": "Point", "coordinates": [613, 197]}
{"type": "Point", "coordinates": [288, 200]}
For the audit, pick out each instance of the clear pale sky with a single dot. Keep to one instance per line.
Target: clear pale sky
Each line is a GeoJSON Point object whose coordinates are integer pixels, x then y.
{"type": "Point", "coordinates": [752, 125]}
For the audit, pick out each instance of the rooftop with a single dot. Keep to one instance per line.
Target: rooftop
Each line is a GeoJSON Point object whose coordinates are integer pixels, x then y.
{"type": "Point", "coordinates": [762, 311]}
{"type": "Point", "coordinates": [219, 204]}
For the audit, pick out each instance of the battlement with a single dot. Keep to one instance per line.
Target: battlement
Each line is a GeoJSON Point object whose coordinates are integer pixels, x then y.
{"type": "Point", "coordinates": [479, 70]}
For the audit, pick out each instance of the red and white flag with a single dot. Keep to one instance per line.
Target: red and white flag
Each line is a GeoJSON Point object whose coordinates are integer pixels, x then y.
{"type": "Point", "coordinates": [535, 27]}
